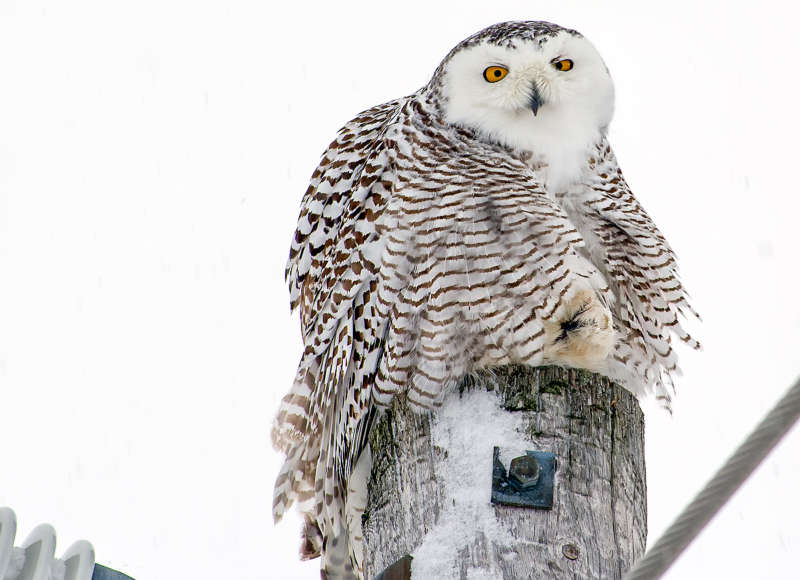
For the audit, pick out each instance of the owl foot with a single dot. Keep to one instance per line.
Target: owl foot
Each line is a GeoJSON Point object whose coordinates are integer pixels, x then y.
{"type": "Point", "coordinates": [582, 334]}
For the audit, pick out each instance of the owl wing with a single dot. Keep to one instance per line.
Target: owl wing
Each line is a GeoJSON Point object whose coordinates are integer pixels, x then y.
{"type": "Point", "coordinates": [331, 275]}
{"type": "Point", "coordinates": [337, 197]}
{"type": "Point", "coordinates": [641, 269]}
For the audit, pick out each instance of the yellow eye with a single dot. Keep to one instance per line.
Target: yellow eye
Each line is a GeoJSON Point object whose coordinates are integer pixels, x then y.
{"type": "Point", "coordinates": [495, 73]}
{"type": "Point", "coordinates": [563, 65]}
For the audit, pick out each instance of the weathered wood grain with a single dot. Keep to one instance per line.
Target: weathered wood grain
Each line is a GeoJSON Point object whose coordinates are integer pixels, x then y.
{"type": "Point", "coordinates": [597, 527]}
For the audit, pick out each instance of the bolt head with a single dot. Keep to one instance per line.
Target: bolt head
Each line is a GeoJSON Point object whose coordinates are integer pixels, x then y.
{"type": "Point", "coordinates": [524, 471]}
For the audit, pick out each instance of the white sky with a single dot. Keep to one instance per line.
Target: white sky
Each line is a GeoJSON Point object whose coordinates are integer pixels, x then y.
{"type": "Point", "coordinates": [152, 159]}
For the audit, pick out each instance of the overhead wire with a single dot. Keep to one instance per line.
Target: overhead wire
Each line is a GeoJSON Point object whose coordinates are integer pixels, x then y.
{"type": "Point", "coordinates": [741, 464]}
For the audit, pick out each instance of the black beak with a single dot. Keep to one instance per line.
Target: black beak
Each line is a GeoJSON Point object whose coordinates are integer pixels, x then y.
{"type": "Point", "coordinates": [536, 99]}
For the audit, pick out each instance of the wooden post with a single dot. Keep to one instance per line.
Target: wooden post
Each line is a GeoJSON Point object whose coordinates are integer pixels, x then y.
{"type": "Point", "coordinates": [431, 481]}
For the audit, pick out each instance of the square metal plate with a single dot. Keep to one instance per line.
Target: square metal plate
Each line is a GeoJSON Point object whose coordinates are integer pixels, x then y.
{"type": "Point", "coordinates": [509, 487]}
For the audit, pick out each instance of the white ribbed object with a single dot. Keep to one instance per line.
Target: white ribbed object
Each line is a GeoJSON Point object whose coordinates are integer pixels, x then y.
{"type": "Point", "coordinates": [35, 558]}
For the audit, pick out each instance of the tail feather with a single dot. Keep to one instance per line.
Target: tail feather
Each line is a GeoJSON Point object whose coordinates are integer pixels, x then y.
{"type": "Point", "coordinates": [311, 540]}
{"type": "Point", "coordinates": [336, 563]}
{"type": "Point", "coordinates": [283, 495]}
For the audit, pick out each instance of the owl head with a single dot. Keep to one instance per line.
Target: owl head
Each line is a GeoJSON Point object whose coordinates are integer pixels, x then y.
{"type": "Point", "coordinates": [528, 85]}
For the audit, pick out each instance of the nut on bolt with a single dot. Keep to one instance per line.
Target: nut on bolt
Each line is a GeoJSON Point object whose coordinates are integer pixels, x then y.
{"type": "Point", "coordinates": [524, 471]}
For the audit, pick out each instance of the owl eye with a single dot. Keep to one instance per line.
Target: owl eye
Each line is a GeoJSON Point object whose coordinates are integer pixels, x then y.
{"type": "Point", "coordinates": [563, 65]}
{"type": "Point", "coordinates": [495, 73]}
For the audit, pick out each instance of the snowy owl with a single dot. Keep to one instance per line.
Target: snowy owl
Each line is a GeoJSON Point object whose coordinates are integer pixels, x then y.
{"type": "Point", "coordinates": [480, 221]}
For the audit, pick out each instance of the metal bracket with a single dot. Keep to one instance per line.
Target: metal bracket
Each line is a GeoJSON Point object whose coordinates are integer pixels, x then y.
{"type": "Point", "coordinates": [528, 481]}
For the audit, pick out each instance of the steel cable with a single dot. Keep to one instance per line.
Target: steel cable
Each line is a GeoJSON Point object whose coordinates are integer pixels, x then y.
{"type": "Point", "coordinates": [719, 489]}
